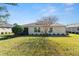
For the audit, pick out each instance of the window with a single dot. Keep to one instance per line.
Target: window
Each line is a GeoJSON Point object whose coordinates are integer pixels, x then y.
{"type": "Point", "coordinates": [5, 32]}
{"type": "Point", "coordinates": [50, 30]}
{"type": "Point", "coordinates": [35, 29]}
{"type": "Point", "coordinates": [39, 29]}
{"type": "Point", "coordinates": [9, 32]}
{"type": "Point", "coordinates": [78, 29]}
{"type": "Point", "coordinates": [2, 32]}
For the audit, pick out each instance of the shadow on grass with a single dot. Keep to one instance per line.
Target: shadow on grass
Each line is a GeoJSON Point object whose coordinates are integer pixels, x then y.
{"type": "Point", "coordinates": [47, 35]}
{"type": "Point", "coordinates": [5, 37]}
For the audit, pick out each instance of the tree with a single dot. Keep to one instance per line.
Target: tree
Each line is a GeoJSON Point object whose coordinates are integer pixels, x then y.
{"type": "Point", "coordinates": [17, 29]}
{"type": "Point", "coordinates": [4, 14]}
{"type": "Point", "coordinates": [47, 21]}
{"type": "Point", "coordinates": [14, 4]}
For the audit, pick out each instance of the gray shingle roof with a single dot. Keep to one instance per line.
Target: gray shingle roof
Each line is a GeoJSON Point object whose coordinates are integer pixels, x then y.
{"type": "Point", "coordinates": [73, 25]}
{"type": "Point", "coordinates": [57, 24]}
{"type": "Point", "coordinates": [41, 24]}
{"type": "Point", "coordinates": [5, 24]}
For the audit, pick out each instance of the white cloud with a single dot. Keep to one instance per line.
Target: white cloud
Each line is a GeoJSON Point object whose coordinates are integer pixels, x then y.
{"type": "Point", "coordinates": [52, 9]}
{"type": "Point", "coordinates": [48, 11]}
{"type": "Point", "coordinates": [69, 4]}
{"type": "Point", "coordinates": [69, 9]}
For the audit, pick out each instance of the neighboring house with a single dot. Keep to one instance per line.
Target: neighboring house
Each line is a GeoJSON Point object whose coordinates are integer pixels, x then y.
{"type": "Point", "coordinates": [43, 29]}
{"type": "Point", "coordinates": [5, 28]}
{"type": "Point", "coordinates": [73, 28]}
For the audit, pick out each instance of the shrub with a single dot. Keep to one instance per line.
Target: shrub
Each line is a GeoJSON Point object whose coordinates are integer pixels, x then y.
{"type": "Point", "coordinates": [62, 34]}
{"type": "Point", "coordinates": [17, 29]}
{"type": "Point", "coordinates": [73, 32]}
{"type": "Point", "coordinates": [49, 34]}
{"type": "Point", "coordinates": [54, 34]}
{"type": "Point", "coordinates": [67, 34]}
{"type": "Point", "coordinates": [58, 34]}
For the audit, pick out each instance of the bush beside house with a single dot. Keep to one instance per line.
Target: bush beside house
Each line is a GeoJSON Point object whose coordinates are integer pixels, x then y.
{"type": "Point", "coordinates": [17, 29]}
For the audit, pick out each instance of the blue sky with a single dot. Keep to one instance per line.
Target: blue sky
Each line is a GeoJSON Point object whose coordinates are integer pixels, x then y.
{"type": "Point", "coordinates": [31, 12]}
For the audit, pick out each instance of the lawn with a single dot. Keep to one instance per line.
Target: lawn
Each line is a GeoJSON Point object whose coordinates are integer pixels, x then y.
{"type": "Point", "coordinates": [39, 46]}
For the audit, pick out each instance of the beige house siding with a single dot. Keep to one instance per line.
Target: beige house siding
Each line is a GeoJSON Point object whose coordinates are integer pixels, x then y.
{"type": "Point", "coordinates": [31, 30]}
{"type": "Point", "coordinates": [73, 29]}
{"type": "Point", "coordinates": [56, 30]}
{"type": "Point", "coordinates": [60, 30]}
{"type": "Point", "coordinates": [5, 30]}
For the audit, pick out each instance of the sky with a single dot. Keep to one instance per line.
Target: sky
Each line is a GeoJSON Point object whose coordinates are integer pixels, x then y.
{"type": "Point", "coordinates": [67, 13]}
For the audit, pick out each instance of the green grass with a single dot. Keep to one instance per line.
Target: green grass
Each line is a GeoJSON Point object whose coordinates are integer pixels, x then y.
{"type": "Point", "coordinates": [30, 45]}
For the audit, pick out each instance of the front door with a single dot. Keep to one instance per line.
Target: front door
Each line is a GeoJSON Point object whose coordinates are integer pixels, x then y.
{"type": "Point", "coordinates": [25, 32]}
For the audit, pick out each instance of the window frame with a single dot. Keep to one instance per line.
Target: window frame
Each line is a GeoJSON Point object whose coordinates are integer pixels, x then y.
{"type": "Point", "coordinates": [50, 30]}
{"type": "Point", "coordinates": [78, 28]}
{"type": "Point", "coordinates": [37, 29]}
{"type": "Point", "coordinates": [2, 33]}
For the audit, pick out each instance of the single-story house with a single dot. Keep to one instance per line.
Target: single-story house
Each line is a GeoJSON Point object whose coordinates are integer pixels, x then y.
{"type": "Point", "coordinates": [42, 29]}
{"type": "Point", "coordinates": [5, 28]}
{"type": "Point", "coordinates": [73, 28]}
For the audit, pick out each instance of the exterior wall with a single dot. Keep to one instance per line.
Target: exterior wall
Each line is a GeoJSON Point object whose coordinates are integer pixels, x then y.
{"type": "Point", "coordinates": [31, 30]}
{"type": "Point", "coordinates": [73, 29]}
{"type": "Point", "coordinates": [56, 30]}
{"type": "Point", "coordinates": [59, 30]}
{"type": "Point", "coordinates": [5, 30]}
